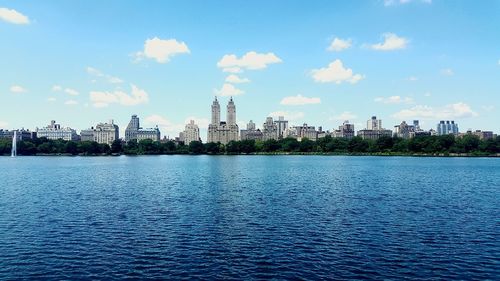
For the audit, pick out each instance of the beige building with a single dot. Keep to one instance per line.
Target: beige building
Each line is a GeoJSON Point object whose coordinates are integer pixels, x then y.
{"type": "Point", "coordinates": [102, 133]}
{"type": "Point", "coordinates": [191, 133]}
{"type": "Point", "coordinates": [220, 131]}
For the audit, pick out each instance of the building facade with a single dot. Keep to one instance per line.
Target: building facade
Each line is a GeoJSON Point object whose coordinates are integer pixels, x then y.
{"type": "Point", "coordinates": [132, 128]}
{"type": "Point", "coordinates": [191, 133]}
{"type": "Point", "coordinates": [102, 133]}
{"type": "Point", "coordinates": [269, 130]}
{"type": "Point", "coordinates": [281, 126]}
{"type": "Point", "coordinates": [54, 131]}
{"type": "Point", "coordinates": [447, 128]}
{"type": "Point", "coordinates": [220, 131]}
{"type": "Point", "coordinates": [22, 134]}
{"type": "Point", "coordinates": [374, 130]}
{"type": "Point", "coordinates": [148, 134]}
{"type": "Point", "coordinates": [346, 130]}
{"type": "Point", "coordinates": [251, 133]}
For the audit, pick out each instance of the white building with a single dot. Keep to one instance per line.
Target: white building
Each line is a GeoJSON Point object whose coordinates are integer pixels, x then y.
{"type": "Point", "coordinates": [374, 130]}
{"type": "Point", "coordinates": [220, 131]}
{"type": "Point", "coordinates": [282, 126]}
{"type": "Point", "coordinates": [55, 131]}
{"type": "Point", "coordinates": [191, 133]}
{"type": "Point", "coordinates": [269, 130]}
{"type": "Point", "coordinates": [346, 130]}
{"type": "Point", "coordinates": [102, 133]}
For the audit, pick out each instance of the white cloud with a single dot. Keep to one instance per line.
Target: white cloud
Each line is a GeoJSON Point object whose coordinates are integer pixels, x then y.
{"type": "Point", "coordinates": [289, 115]}
{"type": "Point", "coordinates": [338, 44]}
{"type": "Point", "coordinates": [335, 72]}
{"type": "Point", "coordinates": [51, 99]}
{"type": "Point", "coordinates": [299, 100]}
{"type": "Point", "coordinates": [71, 92]}
{"type": "Point", "coordinates": [13, 16]}
{"type": "Point", "coordinates": [251, 61]}
{"type": "Point", "coordinates": [391, 42]}
{"type": "Point", "coordinates": [228, 90]}
{"type": "Point", "coordinates": [428, 94]}
{"type": "Point", "coordinates": [16, 89]}
{"type": "Point", "coordinates": [412, 78]}
{"type": "Point", "coordinates": [346, 115]}
{"type": "Point", "coordinates": [447, 72]}
{"type": "Point", "coordinates": [402, 2]}
{"type": "Point", "coordinates": [166, 127]}
{"type": "Point", "coordinates": [162, 50]}
{"type": "Point", "coordinates": [498, 62]}
{"type": "Point", "coordinates": [111, 79]}
{"type": "Point", "coordinates": [233, 78]}
{"type": "Point", "coordinates": [394, 100]}
{"type": "Point", "coordinates": [56, 88]}
{"type": "Point", "coordinates": [456, 110]}
{"type": "Point", "coordinates": [71, 102]}
{"type": "Point", "coordinates": [104, 99]}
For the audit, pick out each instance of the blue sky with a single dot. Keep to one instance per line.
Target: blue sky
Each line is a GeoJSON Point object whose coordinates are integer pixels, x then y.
{"type": "Point", "coordinates": [316, 62]}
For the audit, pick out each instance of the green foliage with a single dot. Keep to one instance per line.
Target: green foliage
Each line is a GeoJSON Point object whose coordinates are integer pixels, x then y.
{"type": "Point", "coordinates": [468, 144]}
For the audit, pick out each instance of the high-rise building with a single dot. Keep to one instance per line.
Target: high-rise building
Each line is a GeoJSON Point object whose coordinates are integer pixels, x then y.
{"type": "Point", "coordinates": [282, 126]}
{"type": "Point", "coordinates": [269, 130]}
{"type": "Point", "coordinates": [54, 131]}
{"type": "Point", "coordinates": [132, 128]}
{"type": "Point", "coordinates": [191, 133]}
{"type": "Point", "coordinates": [220, 131]}
{"type": "Point", "coordinates": [346, 130]}
{"type": "Point", "coordinates": [251, 133]}
{"type": "Point", "coordinates": [134, 131]}
{"type": "Point", "coordinates": [447, 128]}
{"type": "Point", "coordinates": [306, 131]}
{"type": "Point", "coordinates": [374, 130]}
{"type": "Point", "coordinates": [374, 124]}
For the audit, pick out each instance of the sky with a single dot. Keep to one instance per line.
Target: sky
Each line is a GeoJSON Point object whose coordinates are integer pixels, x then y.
{"type": "Point", "coordinates": [314, 62]}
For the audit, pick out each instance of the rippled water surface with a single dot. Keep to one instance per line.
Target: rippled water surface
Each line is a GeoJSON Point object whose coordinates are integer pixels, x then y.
{"type": "Point", "coordinates": [249, 217]}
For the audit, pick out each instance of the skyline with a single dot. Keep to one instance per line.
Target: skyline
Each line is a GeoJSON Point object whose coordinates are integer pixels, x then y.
{"type": "Point", "coordinates": [319, 63]}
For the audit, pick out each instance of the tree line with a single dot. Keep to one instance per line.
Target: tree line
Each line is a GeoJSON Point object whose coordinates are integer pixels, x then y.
{"type": "Point", "coordinates": [429, 145]}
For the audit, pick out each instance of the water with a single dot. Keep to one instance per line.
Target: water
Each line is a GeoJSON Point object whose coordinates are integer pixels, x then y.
{"type": "Point", "coordinates": [249, 217]}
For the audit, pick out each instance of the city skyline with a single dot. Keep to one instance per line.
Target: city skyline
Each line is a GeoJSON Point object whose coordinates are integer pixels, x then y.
{"type": "Point", "coordinates": [86, 62]}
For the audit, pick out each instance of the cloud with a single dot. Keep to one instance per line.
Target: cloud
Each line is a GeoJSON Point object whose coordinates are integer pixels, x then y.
{"type": "Point", "coordinates": [456, 110]}
{"type": "Point", "coordinates": [51, 99]}
{"type": "Point", "coordinates": [402, 2]}
{"type": "Point", "coordinates": [111, 79]}
{"type": "Point", "coordinates": [394, 100]}
{"type": "Point", "coordinates": [16, 89]}
{"type": "Point", "coordinates": [391, 42]}
{"type": "Point", "coordinates": [56, 88]}
{"type": "Point", "coordinates": [162, 50]}
{"type": "Point", "coordinates": [165, 125]}
{"type": "Point", "coordinates": [338, 44]}
{"type": "Point", "coordinates": [104, 99]}
{"type": "Point", "coordinates": [289, 115]}
{"type": "Point", "coordinates": [71, 102]}
{"type": "Point", "coordinates": [346, 115]}
{"type": "Point", "coordinates": [335, 72]}
{"type": "Point", "coordinates": [71, 92]}
{"type": "Point", "coordinates": [412, 78]}
{"type": "Point", "coordinates": [299, 100]}
{"type": "Point", "coordinates": [498, 62]}
{"type": "Point", "coordinates": [235, 79]}
{"type": "Point", "coordinates": [3, 124]}
{"type": "Point", "coordinates": [13, 16]}
{"type": "Point", "coordinates": [447, 72]}
{"type": "Point", "coordinates": [250, 61]}
{"type": "Point", "coordinates": [428, 94]}
{"type": "Point", "coordinates": [228, 90]}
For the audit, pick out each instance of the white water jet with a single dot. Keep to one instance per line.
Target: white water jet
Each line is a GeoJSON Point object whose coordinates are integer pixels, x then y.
{"type": "Point", "coordinates": [14, 145]}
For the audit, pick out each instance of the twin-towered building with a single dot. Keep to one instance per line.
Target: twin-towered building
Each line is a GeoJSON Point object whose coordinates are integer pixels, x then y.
{"type": "Point", "coordinates": [221, 131]}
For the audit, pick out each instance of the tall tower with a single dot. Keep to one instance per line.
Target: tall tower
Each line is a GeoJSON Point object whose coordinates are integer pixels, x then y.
{"type": "Point", "coordinates": [132, 128]}
{"type": "Point", "coordinates": [231, 112]}
{"type": "Point", "coordinates": [215, 112]}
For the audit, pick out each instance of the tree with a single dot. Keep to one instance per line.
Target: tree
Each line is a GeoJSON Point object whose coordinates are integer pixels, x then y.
{"type": "Point", "coordinates": [116, 146]}
{"type": "Point", "coordinates": [196, 147]}
{"type": "Point", "coordinates": [212, 148]}
{"type": "Point", "coordinates": [357, 144]}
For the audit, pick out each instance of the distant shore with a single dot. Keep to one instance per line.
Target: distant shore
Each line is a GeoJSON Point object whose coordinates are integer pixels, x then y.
{"type": "Point", "coordinates": [388, 154]}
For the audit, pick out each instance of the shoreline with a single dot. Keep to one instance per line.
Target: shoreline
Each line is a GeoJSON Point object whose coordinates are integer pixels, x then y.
{"type": "Point", "coordinates": [388, 154]}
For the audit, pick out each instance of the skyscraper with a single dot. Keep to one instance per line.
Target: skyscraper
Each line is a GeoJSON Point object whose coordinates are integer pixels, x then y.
{"type": "Point", "coordinates": [447, 127]}
{"type": "Point", "coordinates": [220, 131]}
{"type": "Point", "coordinates": [132, 128]}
